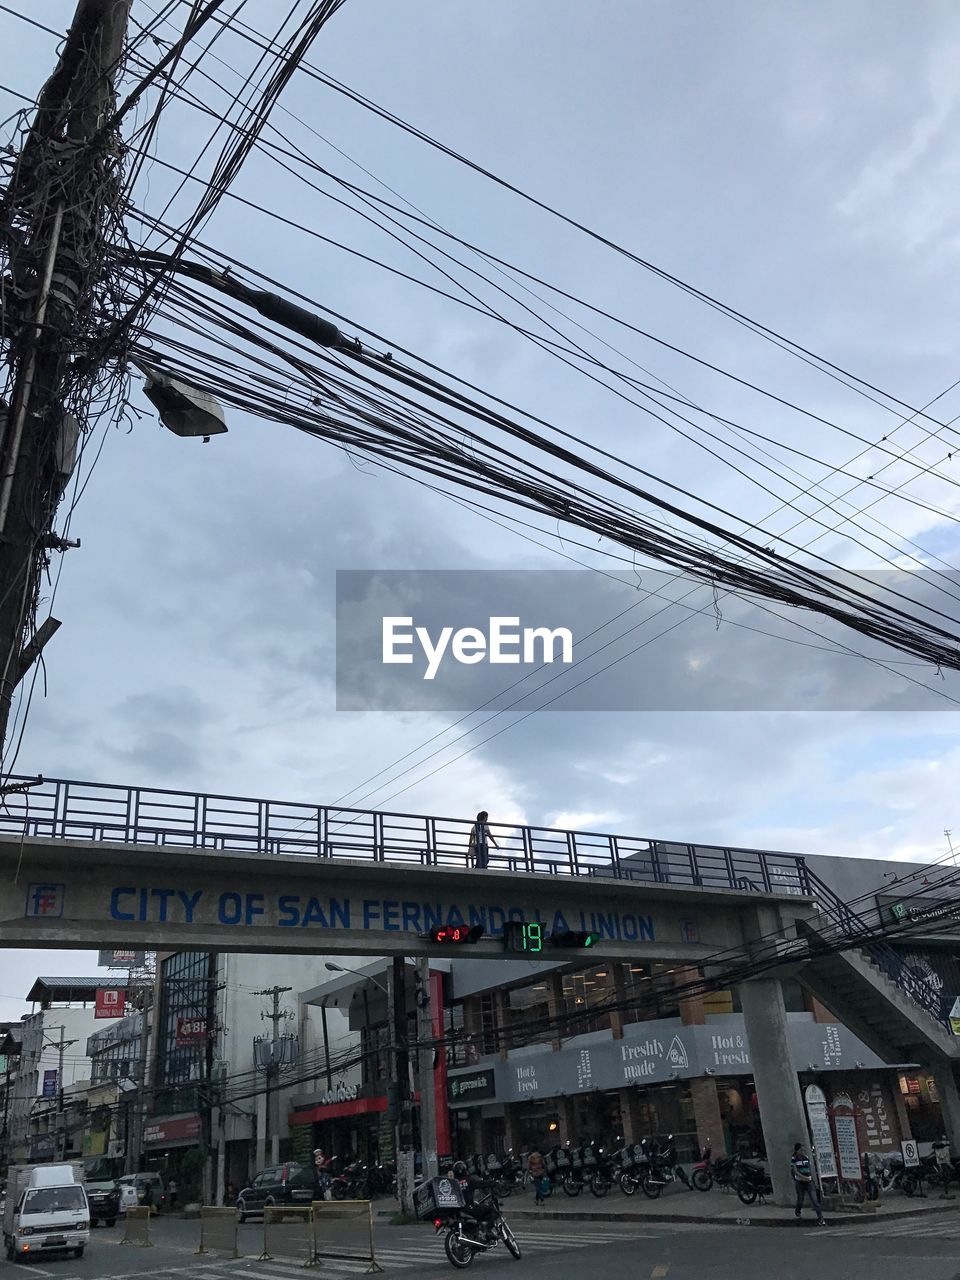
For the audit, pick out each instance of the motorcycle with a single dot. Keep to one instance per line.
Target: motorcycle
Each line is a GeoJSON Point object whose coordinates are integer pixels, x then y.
{"type": "Point", "coordinates": [709, 1173]}
{"type": "Point", "coordinates": [583, 1165]}
{"type": "Point", "coordinates": [352, 1184]}
{"type": "Point", "coordinates": [510, 1176]}
{"type": "Point", "coordinates": [753, 1182]}
{"type": "Point", "coordinates": [664, 1168]}
{"type": "Point", "coordinates": [634, 1166]}
{"type": "Point", "coordinates": [466, 1236]}
{"type": "Point", "coordinates": [602, 1178]}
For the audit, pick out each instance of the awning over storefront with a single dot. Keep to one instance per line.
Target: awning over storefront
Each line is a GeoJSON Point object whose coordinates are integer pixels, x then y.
{"type": "Point", "coordinates": [338, 1110]}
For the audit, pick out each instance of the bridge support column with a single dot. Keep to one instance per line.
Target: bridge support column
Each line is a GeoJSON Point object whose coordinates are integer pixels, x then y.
{"type": "Point", "coordinates": [778, 1090]}
{"type": "Point", "coordinates": [946, 1082]}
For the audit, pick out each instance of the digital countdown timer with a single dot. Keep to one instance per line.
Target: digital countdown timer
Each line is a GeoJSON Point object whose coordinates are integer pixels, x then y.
{"type": "Point", "coordinates": [523, 935]}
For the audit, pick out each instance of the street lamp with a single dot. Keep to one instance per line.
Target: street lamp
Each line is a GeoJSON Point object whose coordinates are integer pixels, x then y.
{"type": "Point", "coordinates": [339, 968]}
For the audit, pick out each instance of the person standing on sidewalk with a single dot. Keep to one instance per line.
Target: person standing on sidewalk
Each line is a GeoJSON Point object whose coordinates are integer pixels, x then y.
{"type": "Point", "coordinates": [537, 1169]}
{"type": "Point", "coordinates": [480, 838]}
{"type": "Point", "coordinates": [802, 1171]}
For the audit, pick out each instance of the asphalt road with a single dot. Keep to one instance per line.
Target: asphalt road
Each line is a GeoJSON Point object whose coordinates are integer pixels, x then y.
{"type": "Point", "coordinates": [898, 1250]}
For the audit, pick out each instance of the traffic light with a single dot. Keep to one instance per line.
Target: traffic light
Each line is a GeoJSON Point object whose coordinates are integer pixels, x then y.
{"type": "Point", "coordinates": [574, 938]}
{"type": "Point", "coordinates": [455, 933]}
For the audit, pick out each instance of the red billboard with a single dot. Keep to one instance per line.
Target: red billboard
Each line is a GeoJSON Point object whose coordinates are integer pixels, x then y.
{"type": "Point", "coordinates": [191, 1031]}
{"type": "Point", "coordinates": [111, 1003]}
{"type": "Point", "coordinates": [178, 1129]}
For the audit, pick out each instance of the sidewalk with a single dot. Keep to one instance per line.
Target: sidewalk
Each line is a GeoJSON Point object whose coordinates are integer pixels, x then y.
{"type": "Point", "coordinates": [717, 1208]}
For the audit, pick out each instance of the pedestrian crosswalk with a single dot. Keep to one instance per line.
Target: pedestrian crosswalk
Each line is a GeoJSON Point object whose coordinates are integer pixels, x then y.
{"type": "Point", "coordinates": [424, 1251]}
{"type": "Point", "coordinates": [930, 1226]}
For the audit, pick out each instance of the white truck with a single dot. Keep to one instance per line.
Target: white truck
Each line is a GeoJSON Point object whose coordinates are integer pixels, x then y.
{"type": "Point", "coordinates": [45, 1211]}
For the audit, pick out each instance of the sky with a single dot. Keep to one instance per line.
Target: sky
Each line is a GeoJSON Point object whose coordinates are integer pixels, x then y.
{"type": "Point", "coordinates": [800, 165]}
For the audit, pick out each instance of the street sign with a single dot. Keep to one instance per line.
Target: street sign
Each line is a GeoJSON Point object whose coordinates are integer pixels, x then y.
{"type": "Point", "coordinates": [50, 1083]}
{"type": "Point", "coordinates": [911, 1156]}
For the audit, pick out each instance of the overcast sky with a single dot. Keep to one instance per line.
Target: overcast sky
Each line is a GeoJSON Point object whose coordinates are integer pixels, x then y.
{"type": "Point", "coordinates": [798, 162]}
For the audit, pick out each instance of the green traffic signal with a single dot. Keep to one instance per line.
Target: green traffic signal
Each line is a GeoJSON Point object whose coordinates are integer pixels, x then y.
{"type": "Point", "coordinates": [574, 938]}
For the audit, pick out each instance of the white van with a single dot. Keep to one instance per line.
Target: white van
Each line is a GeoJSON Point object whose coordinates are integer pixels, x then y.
{"type": "Point", "coordinates": [46, 1210]}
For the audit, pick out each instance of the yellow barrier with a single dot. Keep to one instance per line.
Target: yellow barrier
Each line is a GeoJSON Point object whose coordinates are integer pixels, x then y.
{"type": "Point", "coordinates": [218, 1231]}
{"type": "Point", "coordinates": [360, 1249]}
{"type": "Point", "coordinates": [286, 1241]}
{"type": "Point", "coordinates": [136, 1227]}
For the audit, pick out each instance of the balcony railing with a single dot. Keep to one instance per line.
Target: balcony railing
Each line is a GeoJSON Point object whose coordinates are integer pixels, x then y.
{"type": "Point", "coordinates": [93, 812]}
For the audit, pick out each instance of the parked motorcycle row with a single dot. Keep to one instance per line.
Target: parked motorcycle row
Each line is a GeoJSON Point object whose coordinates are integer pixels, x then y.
{"type": "Point", "coordinates": [646, 1166]}
{"type": "Point", "coordinates": [649, 1166]}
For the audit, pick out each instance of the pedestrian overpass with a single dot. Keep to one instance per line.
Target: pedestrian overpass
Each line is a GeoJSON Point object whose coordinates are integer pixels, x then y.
{"type": "Point", "coordinates": [88, 865]}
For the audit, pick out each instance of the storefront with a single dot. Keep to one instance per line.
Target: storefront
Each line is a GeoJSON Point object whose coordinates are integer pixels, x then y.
{"type": "Point", "coordinates": [352, 1129]}
{"type": "Point", "coordinates": [665, 1077]}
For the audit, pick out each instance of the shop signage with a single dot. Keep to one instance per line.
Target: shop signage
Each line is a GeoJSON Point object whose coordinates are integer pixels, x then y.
{"type": "Point", "coordinates": [190, 1031]}
{"type": "Point", "coordinates": [474, 1087]}
{"type": "Point", "coordinates": [918, 912]}
{"type": "Point", "coordinates": [872, 1105]}
{"type": "Point", "coordinates": [848, 1147]}
{"type": "Point", "coordinates": [110, 1003]}
{"type": "Point", "coordinates": [342, 1093]}
{"type": "Point", "coordinates": [179, 1129]}
{"type": "Point", "coordinates": [821, 1138]}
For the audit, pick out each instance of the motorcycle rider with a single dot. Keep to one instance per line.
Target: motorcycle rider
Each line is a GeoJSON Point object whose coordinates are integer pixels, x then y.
{"type": "Point", "coordinates": [482, 1211]}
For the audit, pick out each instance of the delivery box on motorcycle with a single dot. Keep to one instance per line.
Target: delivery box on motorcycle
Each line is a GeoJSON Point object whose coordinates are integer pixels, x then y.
{"type": "Point", "coordinates": [437, 1196]}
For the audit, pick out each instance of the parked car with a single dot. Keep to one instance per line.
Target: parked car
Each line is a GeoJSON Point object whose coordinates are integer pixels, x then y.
{"type": "Point", "coordinates": [279, 1185]}
{"type": "Point", "coordinates": [149, 1188]}
{"type": "Point", "coordinates": [103, 1196]}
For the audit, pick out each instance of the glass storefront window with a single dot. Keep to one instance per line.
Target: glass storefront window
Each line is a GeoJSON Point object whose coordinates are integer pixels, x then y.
{"type": "Point", "coordinates": [538, 1123]}
{"type": "Point", "coordinates": [646, 993]}
{"type": "Point", "coordinates": [585, 994]}
{"type": "Point", "coordinates": [528, 1015]}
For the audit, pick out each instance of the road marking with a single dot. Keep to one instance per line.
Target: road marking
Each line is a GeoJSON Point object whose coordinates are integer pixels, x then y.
{"type": "Point", "coordinates": [658, 1272]}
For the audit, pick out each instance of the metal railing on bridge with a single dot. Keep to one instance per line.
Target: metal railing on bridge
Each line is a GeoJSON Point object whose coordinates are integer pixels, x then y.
{"type": "Point", "coordinates": [61, 809]}
{"type": "Point", "coordinates": [852, 926]}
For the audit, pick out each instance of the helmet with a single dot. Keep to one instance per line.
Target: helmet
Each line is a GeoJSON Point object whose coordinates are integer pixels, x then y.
{"type": "Point", "coordinates": [459, 1169]}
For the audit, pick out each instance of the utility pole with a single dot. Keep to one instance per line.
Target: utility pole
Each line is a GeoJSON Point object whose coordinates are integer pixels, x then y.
{"type": "Point", "coordinates": [64, 188]}
{"type": "Point", "coordinates": [400, 1058]}
{"type": "Point", "coordinates": [271, 1064]}
{"type": "Point", "coordinates": [133, 1144]}
{"type": "Point", "coordinates": [425, 1075]}
{"type": "Point", "coordinates": [60, 1128]}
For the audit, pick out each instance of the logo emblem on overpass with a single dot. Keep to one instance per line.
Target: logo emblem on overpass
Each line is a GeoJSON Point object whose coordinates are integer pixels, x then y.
{"type": "Point", "coordinates": [44, 900]}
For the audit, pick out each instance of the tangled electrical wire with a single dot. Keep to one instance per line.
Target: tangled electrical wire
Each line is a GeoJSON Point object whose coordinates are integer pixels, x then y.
{"type": "Point", "coordinates": [415, 419]}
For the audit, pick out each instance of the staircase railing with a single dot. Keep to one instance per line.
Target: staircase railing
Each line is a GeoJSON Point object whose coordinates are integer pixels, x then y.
{"type": "Point", "coordinates": [891, 963]}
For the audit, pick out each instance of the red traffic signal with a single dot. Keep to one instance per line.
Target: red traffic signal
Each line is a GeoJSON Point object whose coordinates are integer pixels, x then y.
{"type": "Point", "coordinates": [456, 933]}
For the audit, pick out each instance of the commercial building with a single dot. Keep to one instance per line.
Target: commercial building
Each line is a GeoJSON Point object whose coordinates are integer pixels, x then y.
{"type": "Point", "coordinates": [539, 1053]}
{"type": "Point", "coordinates": [48, 1098]}
{"type": "Point", "coordinates": [214, 1042]}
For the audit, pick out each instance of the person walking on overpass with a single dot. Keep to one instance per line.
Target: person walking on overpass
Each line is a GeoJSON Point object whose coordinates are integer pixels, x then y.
{"type": "Point", "coordinates": [802, 1171]}
{"type": "Point", "coordinates": [480, 838]}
